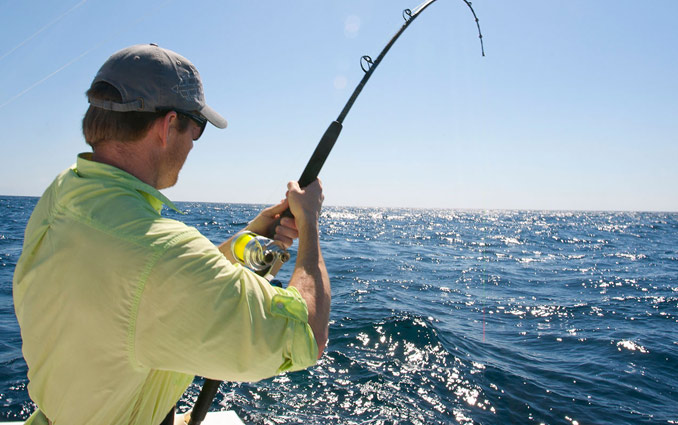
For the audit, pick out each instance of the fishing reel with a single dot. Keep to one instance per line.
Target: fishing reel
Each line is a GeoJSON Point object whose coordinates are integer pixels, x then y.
{"type": "Point", "coordinates": [259, 254]}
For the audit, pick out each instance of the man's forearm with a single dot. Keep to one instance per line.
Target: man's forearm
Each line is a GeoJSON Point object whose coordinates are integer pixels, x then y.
{"type": "Point", "coordinates": [311, 280]}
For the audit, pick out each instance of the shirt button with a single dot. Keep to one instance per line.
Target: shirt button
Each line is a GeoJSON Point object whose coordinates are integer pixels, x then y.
{"type": "Point", "coordinates": [280, 306]}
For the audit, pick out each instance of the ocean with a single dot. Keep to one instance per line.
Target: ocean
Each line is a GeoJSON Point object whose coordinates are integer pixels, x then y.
{"type": "Point", "coordinates": [453, 317]}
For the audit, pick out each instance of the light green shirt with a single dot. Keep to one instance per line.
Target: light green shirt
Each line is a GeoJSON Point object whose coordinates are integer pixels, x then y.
{"type": "Point", "coordinates": [119, 307]}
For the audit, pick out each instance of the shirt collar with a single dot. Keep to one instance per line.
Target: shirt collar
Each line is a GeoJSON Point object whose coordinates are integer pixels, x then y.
{"type": "Point", "coordinates": [86, 167]}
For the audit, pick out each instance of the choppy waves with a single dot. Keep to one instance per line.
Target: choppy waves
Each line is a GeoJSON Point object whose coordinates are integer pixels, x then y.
{"type": "Point", "coordinates": [469, 317]}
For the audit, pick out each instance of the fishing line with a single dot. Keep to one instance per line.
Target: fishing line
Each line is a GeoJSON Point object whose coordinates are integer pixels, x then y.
{"type": "Point", "coordinates": [54, 21]}
{"type": "Point", "coordinates": [85, 53]}
{"type": "Point", "coordinates": [37, 83]}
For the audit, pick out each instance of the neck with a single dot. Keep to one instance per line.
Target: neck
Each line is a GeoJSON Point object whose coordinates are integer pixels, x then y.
{"type": "Point", "coordinates": [131, 157]}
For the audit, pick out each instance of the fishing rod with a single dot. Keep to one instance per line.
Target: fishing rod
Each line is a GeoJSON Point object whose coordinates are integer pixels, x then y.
{"type": "Point", "coordinates": [322, 151]}
{"type": "Point", "coordinates": [271, 258]}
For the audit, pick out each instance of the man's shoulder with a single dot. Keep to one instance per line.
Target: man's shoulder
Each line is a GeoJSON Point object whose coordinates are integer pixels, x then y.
{"type": "Point", "coordinates": [112, 207]}
{"type": "Point", "coordinates": [117, 209]}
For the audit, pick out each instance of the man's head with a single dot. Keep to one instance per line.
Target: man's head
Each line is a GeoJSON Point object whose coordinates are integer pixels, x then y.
{"type": "Point", "coordinates": [146, 109]}
{"type": "Point", "coordinates": [136, 86]}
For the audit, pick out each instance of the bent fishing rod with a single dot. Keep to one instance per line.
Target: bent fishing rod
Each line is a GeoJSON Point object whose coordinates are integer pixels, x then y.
{"type": "Point", "coordinates": [322, 151]}
{"type": "Point", "coordinates": [272, 257]}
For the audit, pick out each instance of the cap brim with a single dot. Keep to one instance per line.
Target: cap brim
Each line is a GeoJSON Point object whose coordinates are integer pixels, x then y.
{"type": "Point", "coordinates": [213, 117]}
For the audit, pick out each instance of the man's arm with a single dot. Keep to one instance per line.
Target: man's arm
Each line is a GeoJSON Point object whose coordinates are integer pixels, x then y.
{"type": "Point", "coordinates": [311, 280]}
{"type": "Point", "coordinates": [310, 275]}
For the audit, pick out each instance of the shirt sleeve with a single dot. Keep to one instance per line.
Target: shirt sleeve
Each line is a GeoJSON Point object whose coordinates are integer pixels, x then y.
{"type": "Point", "coordinates": [199, 314]}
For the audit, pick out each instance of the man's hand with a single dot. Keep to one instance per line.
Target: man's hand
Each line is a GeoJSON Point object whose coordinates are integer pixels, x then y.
{"type": "Point", "coordinates": [284, 232]}
{"type": "Point", "coordinates": [305, 203]}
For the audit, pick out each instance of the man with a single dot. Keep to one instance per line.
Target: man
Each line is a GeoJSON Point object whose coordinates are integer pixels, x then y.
{"type": "Point", "coordinates": [119, 307]}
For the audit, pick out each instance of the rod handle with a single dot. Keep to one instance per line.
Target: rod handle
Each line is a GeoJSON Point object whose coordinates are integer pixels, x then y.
{"type": "Point", "coordinates": [315, 164]}
{"type": "Point", "coordinates": [204, 401]}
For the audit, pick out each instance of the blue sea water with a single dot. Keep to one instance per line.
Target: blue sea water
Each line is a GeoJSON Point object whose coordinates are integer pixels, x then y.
{"type": "Point", "coordinates": [454, 317]}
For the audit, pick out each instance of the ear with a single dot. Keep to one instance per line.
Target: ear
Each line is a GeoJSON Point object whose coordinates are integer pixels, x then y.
{"type": "Point", "coordinates": [162, 127]}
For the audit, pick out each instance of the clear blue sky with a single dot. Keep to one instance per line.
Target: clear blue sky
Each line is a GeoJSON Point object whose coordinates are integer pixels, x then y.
{"type": "Point", "coordinates": [574, 107]}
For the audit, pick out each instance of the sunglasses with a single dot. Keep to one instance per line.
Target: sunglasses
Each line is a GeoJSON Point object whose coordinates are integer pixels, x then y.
{"type": "Point", "coordinates": [198, 119]}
